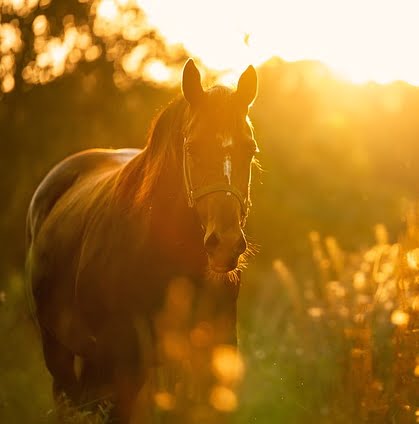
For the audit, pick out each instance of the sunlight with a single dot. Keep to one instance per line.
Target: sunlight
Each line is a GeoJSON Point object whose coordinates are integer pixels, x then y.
{"type": "Point", "coordinates": [399, 318]}
{"type": "Point", "coordinates": [9, 38]}
{"type": "Point", "coordinates": [40, 25]}
{"type": "Point", "coordinates": [107, 10]}
{"type": "Point", "coordinates": [8, 83]}
{"type": "Point", "coordinates": [10, 43]}
{"type": "Point", "coordinates": [58, 54]}
{"type": "Point", "coordinates": [412, 257]}
{"type": "Point", "coordinates": [157, 71]}
{"type": "Point", "coordinates": [131, 62]}
{"type": "Point", "coordinates": [359, 40]}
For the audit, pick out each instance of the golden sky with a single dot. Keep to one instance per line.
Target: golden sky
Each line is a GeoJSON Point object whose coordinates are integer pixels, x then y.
{"type": "Point", "coordinates": [361, 40]}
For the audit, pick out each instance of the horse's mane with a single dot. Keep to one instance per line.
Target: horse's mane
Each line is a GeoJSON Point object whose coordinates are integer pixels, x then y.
{"type": "Point", "coordinates": [137, 179]}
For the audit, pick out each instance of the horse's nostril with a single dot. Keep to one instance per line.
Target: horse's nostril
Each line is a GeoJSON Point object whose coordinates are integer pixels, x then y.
{"type": "Point", "coordinates": [211, 242]}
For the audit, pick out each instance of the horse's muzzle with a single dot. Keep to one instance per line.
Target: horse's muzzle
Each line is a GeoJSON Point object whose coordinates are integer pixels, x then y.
{"type": "Point", "coordinates": [224, 249]}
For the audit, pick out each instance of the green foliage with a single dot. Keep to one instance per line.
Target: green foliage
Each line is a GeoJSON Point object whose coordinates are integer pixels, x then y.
{"type": "Point", "coordinates": [336, 347]}
{"type": "Point", "coordinates": [25, 385]}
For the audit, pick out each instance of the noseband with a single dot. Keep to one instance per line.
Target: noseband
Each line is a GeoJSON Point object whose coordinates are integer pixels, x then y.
{"type": "Point", "coordinates": [196, 193]}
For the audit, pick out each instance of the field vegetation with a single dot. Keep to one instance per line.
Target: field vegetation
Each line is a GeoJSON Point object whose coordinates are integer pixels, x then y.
{"type": "Point", "coordinates": [328, 308]}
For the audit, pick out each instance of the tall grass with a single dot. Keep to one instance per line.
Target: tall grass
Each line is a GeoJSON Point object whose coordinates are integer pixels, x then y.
{"type": "Point", "coordinates": [342, 346]}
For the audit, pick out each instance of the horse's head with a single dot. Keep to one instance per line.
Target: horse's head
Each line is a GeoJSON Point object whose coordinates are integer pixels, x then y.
{"type": "Point", "coordinates": [219, 149]}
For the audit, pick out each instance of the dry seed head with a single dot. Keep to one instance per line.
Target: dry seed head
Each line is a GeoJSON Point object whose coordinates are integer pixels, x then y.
{"type": "Point", "coordinates": [381, 234]}
{"type": "Point", "coordinates": [371, 255]}
{"type": "Point", "coordinates": [365, 267]}
{"type": "Point", "coordinates": [315, 312]}
{"type": "Point", "coordinates": [314, 237]}
{"type": "Point", "coordinates": [412, 258]}
{"type": "Point", "coordinates": [359, 281]}
{"type": "Point", "coordinates": [336, 289]}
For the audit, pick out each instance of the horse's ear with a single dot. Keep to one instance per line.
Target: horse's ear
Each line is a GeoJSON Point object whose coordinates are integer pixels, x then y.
{"type": "Point", "coordinates": [247, 87]}
{"type": "Point", "coordinates": [191, 83]}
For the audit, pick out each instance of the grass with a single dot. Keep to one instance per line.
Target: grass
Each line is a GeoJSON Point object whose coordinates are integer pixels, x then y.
{"type": "Point", "coordinates": [340, 346]}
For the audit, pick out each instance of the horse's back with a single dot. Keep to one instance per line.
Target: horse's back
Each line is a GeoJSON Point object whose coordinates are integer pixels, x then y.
{"type": "Point", "coordinates": [65, 174]}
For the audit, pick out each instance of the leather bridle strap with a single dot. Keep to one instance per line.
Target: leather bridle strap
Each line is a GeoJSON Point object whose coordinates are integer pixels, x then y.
{"type": "Point", "coordinates": [194, 194]}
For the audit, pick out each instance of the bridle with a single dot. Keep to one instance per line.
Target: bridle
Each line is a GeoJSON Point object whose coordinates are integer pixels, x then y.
{"type": "Point", "coordinates": [194, 194]}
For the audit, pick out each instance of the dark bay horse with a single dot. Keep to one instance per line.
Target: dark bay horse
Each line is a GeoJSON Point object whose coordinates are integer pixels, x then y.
{"type": "Point", "coordinates": [134, 260]}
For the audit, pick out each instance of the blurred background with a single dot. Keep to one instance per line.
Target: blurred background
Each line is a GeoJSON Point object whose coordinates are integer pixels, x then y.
{"type": "Point", "coordinates": [336, 123]}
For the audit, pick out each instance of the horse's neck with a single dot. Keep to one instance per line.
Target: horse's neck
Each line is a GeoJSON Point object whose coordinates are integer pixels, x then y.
{"type": "Point", "coordinates": [174, 223]}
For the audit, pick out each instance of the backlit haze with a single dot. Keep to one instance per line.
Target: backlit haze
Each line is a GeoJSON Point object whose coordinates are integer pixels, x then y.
{"type": "Point", "coordinates": [361, 40]}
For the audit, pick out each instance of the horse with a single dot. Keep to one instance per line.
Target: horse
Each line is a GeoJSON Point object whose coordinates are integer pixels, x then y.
{"type": "Point", "coordinates": [135, 256]}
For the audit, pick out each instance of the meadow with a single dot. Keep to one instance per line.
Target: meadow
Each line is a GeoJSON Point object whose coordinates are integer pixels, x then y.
{"type": "Point", "coordinates": [329, 306]}
{"type": "Point", "coordinates": [338, 347]}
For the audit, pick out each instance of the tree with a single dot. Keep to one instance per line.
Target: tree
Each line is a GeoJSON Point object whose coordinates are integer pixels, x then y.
{"type": "Point", "coordinates": [65, 66]}
{"type": "Point", "coordinates": [41, 40]}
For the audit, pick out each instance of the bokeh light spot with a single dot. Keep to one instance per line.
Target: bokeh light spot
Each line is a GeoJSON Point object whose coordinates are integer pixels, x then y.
{"type": "Point", "coordinates": [223, 399]}
{"type": "Point", "coordinates": [165, 401]}
{"type": "Point", "coordinates": [399, 317]}
{"type": "Point", "coordinates": [227, 364]}
{"type": "Point", "coordinates": [40, 25]}
{"type": "Point", "coordinates": [412, 257]}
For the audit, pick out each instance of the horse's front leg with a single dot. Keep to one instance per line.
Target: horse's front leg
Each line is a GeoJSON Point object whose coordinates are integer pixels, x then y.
{"type": "Point", "coordinates": [135, 403]}
{"type": "Point", "coordinates": [125, 348]}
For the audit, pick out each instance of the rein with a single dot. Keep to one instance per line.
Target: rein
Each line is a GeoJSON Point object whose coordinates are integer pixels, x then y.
{"type": "Point", "coordinates": [196, 193]}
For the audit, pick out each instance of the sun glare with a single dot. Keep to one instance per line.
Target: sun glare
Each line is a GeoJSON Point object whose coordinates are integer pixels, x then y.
{"type": "Point", "coordinates": [360, 40]}
{"type": "Point", "coordinates": [107, 10]}
{"type": "Point", "coordinates": [157, 71]}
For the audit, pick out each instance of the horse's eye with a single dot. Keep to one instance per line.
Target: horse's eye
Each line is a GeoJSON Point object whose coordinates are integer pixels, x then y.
{"type": "Point", "coordinates": [189, 148]}
{"type": "Point", "coordinates": [250, 146]}
{"type": "Point", "coordinates": [252, 150]}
